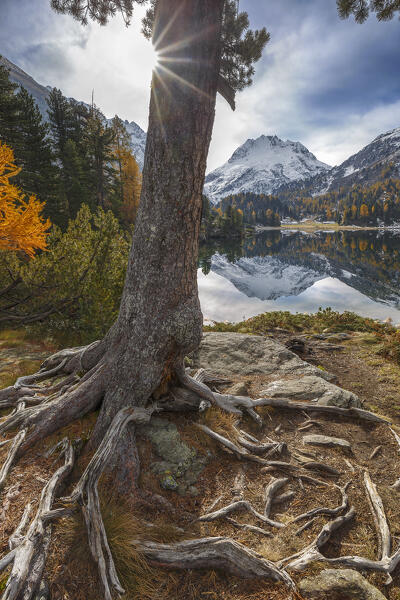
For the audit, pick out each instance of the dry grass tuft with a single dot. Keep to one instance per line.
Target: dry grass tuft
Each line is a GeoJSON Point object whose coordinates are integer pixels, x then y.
{"type": "Point", "coordinates": [138, 578]}
{"type": "Point", "coordinates": [221, 422]}
{"type": "Point", "coordinates": [23, 367]}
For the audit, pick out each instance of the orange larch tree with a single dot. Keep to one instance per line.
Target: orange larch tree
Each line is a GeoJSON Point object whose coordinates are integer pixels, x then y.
{"type": "Point", "coordinates": [22, 226]}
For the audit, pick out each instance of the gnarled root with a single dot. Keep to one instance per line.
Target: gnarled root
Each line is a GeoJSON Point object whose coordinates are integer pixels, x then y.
{"type": "Point", "coordinates": [86, 494]}
{"type": "Point", "coordinates": [332, 512]}
{"type": "Point", "coordinates": [213, 553]}
{"type": "Point", "coordinates": [30, 556]}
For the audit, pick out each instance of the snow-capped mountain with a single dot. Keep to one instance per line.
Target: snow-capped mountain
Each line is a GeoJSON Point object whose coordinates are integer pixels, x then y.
{"type": "Point", "coordinates": [262, 166]}
{"type": "Point", "coordinates": [365, 167]}
{"type": "Point", "coordinates": [267, 277]}
{"type": "Point", "coordinates": [40, 94]}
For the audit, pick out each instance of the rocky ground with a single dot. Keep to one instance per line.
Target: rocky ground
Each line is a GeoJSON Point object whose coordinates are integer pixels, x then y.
{"type": "Point", "coordinates": [197, 476]}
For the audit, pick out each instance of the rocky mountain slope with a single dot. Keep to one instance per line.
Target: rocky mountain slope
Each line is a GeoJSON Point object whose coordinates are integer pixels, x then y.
{"type": "Point", "coordinates": [263, 165]}
{"type": "Point", "coordinates": [364, 168]}
{"type": "Point", "coordinates": [40, 94]}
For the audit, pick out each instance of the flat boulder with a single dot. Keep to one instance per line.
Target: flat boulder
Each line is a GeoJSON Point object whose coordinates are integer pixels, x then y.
{"type": "Point", "coordinates": [243, 354]}
{"type": "Point", "coordinates": [327, 441]}
{"type": "Point", "coordinates": [311, 387]}
{"type": "Point", "coordinates": [339, 584]}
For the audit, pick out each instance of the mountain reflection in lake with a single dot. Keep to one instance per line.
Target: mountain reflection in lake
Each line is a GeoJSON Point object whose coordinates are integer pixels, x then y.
{"type": "Point", "coordinates": [301, 271]}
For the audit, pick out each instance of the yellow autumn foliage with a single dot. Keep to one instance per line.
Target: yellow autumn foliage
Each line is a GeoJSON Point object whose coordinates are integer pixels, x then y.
{"type": "Point", "coordinates": [22, 226]}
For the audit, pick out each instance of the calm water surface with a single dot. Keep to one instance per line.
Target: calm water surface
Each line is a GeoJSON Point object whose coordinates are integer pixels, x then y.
{"type": "Point", "coordinates": [300, 272]}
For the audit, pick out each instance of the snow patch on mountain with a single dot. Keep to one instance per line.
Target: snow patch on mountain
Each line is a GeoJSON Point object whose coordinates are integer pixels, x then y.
{"type": "Point", "coordinates": [261, 166]}
{"type": "Point", "coordinates": [365, 167]}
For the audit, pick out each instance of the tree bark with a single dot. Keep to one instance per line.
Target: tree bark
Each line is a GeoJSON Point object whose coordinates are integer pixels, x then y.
{"type": "Point", "coordinates": [160, 320]}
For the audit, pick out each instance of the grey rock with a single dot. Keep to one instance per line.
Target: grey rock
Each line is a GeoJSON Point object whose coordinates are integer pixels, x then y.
{"type": "Point", "coordinates": [243, 354]}
{"type": "Point", "coordinates": [339, 584]}
{"type": "Point", "coordinates": [327, 441]}
{"type": "Point", "coordinates": [311, 387]}
{"type": "Point", "coordinates": [167, 441]}
{"type": "Point", "coordinates": [180, 465]}
{"type": "Point", "coordinates": [169, 483]}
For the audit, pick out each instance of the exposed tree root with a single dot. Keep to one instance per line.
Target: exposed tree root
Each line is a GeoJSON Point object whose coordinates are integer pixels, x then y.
{"type": "Point", "coordinates": [40, 410]}
{"type": "Point", "coordinates": [12, 453]}
{"type": "Point", "coordinates": [379, 517]}
{"type": "Point", "coordinates": [331, 512]}
{"type": "Point", "coordinates": [270, 491]}
{"type": "Point", "coordinates": [247, 527]}
{"type": "Point", "coordinates": [239, 505]}
{"type": "Point", "coordinates": [86, 494]}
{"type": "Point", "coordinates": [302, 559]}
{"type": "Point", "coordinates": [213, 553]}
{"type": "Point", "coordinates": [30, 556]}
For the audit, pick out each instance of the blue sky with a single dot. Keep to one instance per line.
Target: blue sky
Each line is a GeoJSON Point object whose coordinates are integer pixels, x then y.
{"type": "Point", "coordinates": [333, 85]}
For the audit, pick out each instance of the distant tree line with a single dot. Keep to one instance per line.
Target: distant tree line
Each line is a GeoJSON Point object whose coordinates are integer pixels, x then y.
{"type": "Point", "coordinates": [73, 159]}
{"type": "Point", "coordinates": [374, 205]}
{"type": "Point", "coordinates": [219, 223]}
{"type": "Point", "coordinates": [260, 209]}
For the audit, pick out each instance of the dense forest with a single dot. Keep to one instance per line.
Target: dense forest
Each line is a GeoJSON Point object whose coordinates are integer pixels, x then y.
{"type": "Point", "coordinates": [74, 158]}
{"type": "Point", "coordinates": [374, 205]}
{"type": "Point", "coordinates": [87, 182]}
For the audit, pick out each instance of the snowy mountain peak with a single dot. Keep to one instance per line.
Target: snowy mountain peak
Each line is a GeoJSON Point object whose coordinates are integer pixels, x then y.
{"type": "Point", "coordinates": [262, 165]}
{"type": "Point", "coordinates": [390, 136]}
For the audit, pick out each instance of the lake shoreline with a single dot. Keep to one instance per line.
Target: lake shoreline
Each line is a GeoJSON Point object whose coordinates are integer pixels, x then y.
{"type": "Point", "coordinates": [314, 226]}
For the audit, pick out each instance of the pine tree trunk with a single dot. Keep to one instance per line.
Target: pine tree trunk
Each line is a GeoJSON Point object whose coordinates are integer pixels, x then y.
{"type": "Point", "coordinates": [160, 320]}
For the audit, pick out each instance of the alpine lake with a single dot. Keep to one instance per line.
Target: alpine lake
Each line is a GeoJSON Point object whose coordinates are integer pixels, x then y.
{"type": "Point", "coordinates": [301, 271]}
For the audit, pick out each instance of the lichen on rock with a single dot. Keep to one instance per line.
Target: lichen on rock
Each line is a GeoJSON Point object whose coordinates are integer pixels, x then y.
{"type": "Point", "coordinates": [180, 465]}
